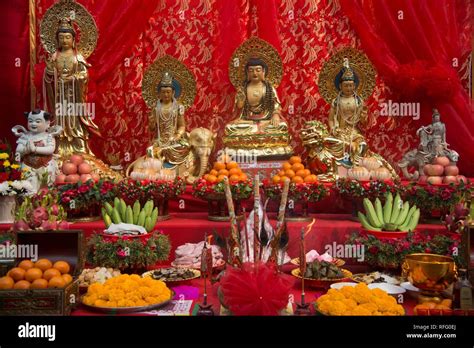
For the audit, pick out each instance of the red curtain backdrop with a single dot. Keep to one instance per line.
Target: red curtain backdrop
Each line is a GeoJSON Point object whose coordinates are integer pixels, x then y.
{"type": "Point", "coordinates": [419, 47]}
{"type": "Point", "coordinates": [204, 33]}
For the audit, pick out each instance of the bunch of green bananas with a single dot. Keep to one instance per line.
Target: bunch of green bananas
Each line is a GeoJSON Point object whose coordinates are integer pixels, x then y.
{"type": "Point", "coordinates": [122, 212]}
{"type": "Point", "coordinates": [393, 216]}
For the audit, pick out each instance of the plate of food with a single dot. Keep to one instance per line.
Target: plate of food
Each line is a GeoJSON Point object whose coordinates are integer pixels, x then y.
{"type": "Point", "coordinates": [388, 288]}
{"type": "Point", "coordinates": [313, 255]}
{"type": "Point", "coordinates": [124, 310]}
{"type": "Point", "coordinates": [321, 274]}
{"type": "Point", "coordinates": [173, 275]}
{"type": "Point", "coordinates": [376, 277]}
{"type": "Point", "coordinates": [95, 275]}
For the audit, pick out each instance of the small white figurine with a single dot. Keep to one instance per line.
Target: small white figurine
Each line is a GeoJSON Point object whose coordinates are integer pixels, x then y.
{"type": "Point", "coordinates": [36, 147]}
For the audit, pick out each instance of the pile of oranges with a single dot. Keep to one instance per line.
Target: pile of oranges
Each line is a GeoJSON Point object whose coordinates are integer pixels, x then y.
{"type": "Point", "coordinates": [295, 171]}
{"type": "Point", "coordinates": [41, 274]}
{"type": "Point", "coordinates": [222, 170]}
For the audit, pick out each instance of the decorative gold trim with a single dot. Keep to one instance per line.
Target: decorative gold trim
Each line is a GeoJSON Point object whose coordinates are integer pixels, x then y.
{"type": "Point", "coordinates": [32, 19]}
{"type": "Point", "coordinates": [80, 16]}
{"type": "Point", "coordinates": [359, 62]}
{"type": "Point", "coordinates": [255, 48]}
{"type": "Point", "coordinates": [180, 73]}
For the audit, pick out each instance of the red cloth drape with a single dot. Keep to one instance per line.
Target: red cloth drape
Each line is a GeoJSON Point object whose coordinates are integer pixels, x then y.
{"type": "Point", "coordinates": [417, 47]}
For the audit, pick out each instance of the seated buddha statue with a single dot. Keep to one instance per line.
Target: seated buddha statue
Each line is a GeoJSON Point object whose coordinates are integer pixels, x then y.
{"type": "Point", "coordinates": [259, 127]}
{"type": "Point", "coordinates": [168, 124]}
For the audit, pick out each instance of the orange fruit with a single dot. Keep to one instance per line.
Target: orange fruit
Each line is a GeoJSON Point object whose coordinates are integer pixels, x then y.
{"type": "Point", "coordinates": [50, 273]}
{"type": "Point", "coordinates": [57, 282]}
{"type": "Point", "coordinates": [67, 278]}
{"type": "Point", "coordinates": [286, 166]}
{"type": "Point", "coordinates": [243, 177]}
{"type": "Point", "coordinates": [33, 273]}
{"type": "Point", "coordinates": [234, 178]}
{"type": "Point", "coordinates": [62, 266]}
{"type": "Point", "coordinates": [306, 173]}
{"type": "Point", "coordinates": [281, 173]}
{"type": "Point", "coordinates": [224, 172]}
{"type": "Point", "coordinates": [276, 179]}
{"type": "Point", "coordinates": [22, 284]}
{"type": "Point", "coordinates": [300, 172]}
{"type": "Point", "coordinates": [283, 178]}
{"type": "Point", "coordinates": [235, 171]}
{"type": "Point", "coordinates": [297, 179]}
{"type": "Point", "coordinates": [290, 173]}
{"type": "Point", "coordinates": [232, 165]}
{"type": "Point", "coordinates": [221, 178]}
{"type": "Point", "coordinates": [6, 282]}
{"type": "Point", "coordinates": [43, 264]}
{"type": "Point", "coordinates": [205, 176]}
{"type": "Point", "coordinates": [309, 179]}
{"type": "Point", "coordinates": [17, 274]}
{"type": "Point", "coordinates": [26, 264]}
{"type": "Point", "coordinates": [211, 178]}
{"type": "Point", "coordinates": [219, 165]}
{"type": "Point", "coordinates": [213, 172]}
{"type": "Point", "coordinates": [297, 166]}
{"type": "Point", "coordinates": [295, 159]}
{"type": "Point", "coordinates": [39, 284]}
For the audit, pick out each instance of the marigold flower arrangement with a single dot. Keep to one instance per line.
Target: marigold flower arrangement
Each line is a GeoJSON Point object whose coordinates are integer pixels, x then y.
{"type": "Point", "coordinates": [127, 291]}
{"type": "Point", "coordinates": [359, 301]}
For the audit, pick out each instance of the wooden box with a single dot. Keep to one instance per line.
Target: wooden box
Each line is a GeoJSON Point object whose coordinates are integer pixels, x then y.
{"type": "Point", "coordinates": [67, 245]}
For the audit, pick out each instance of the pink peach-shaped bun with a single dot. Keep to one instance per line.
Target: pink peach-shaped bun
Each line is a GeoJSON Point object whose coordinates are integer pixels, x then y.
{"type": "Point", "coordinates": [451, 170]}
{"type": "Point", "coordinates": [60, 179]}
{"type": "Point", "coordinates": [442, 160]}
{"type": "Point", "coordinates": [449, 179]}
{"type": "Point", "coordinates": [85, 177]}
{"type": "Point", "coordinates": [72, 178]}
{"type": "Point", "coordinates": [76, 159]}
{"type": "Point", "coordinates": [69, 168]}
{"type": "Point", "coordinates": [85, 168]}
{"type": "Point", "coordinates": [435, 180]}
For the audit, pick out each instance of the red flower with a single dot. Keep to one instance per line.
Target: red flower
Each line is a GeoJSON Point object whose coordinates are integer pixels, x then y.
{"type": "Point", "coordinates": [3, 146]}
{"type": "Point", "coordinates": [428, 250]}
{"type": "Point", "coordinates": [3, 177]}
{"type": "Point", "coordinates": [373, 249]}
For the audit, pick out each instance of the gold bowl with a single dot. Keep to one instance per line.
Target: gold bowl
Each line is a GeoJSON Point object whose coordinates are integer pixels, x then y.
{"type": "Point", "coordinates": [430, 272]}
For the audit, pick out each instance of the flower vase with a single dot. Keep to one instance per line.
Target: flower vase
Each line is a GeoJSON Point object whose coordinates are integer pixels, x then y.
{"type": "Point", "coordinates": [7, 209]}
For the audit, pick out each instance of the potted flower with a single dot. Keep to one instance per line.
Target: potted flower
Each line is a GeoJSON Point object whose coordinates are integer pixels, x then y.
{"type": "Point", "coordinates": [214, 194]}
{"type": "Point", "coordinates": [390, 253]}
{"type": "Point", "coordinates": [83, 200]}
{"type": "Point", "coordinates": [159, 191]}
{"type": "Point", "coordinates": [298, 193]}
{"type": "Point", "coordinates": [11, 184]}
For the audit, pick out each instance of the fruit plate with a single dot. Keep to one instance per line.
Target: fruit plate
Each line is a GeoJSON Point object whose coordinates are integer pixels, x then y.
{"type": "Point", "coordinates": [323, 283]}
{"type": "Point", "coordinates": [337, 262]}
{"type": "Point", "coordinates": [196, 274]}
{"type": "Point", "coordinates": [386, 234]}
{"type": "Point", "coordinates": [125, 310]}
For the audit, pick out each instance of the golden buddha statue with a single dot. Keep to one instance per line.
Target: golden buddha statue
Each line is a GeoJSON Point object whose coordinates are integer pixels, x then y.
{"type": "Point", "coordinates": [65, 82]}
{"type": "Point", "coordinates": [167, 122]}
{"type": "Point", "coordinates": [168, 88]}
{"type": "Point", "coordinates": [259, 127]}
{"type": "Point", "coordinates": [346, 80]}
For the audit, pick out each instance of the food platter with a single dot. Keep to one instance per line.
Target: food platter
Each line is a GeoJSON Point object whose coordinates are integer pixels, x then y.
{"type": "Point", "coordinates": [376, 277]}
{"type": "Point", "coordinates": [322, 283]}
{"type": "Point", "coordinates": [337, 262]}
{"type": "Point", "coordinates": [124, 310]}
{"type": "Point", "coordinates": [188, 274]}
